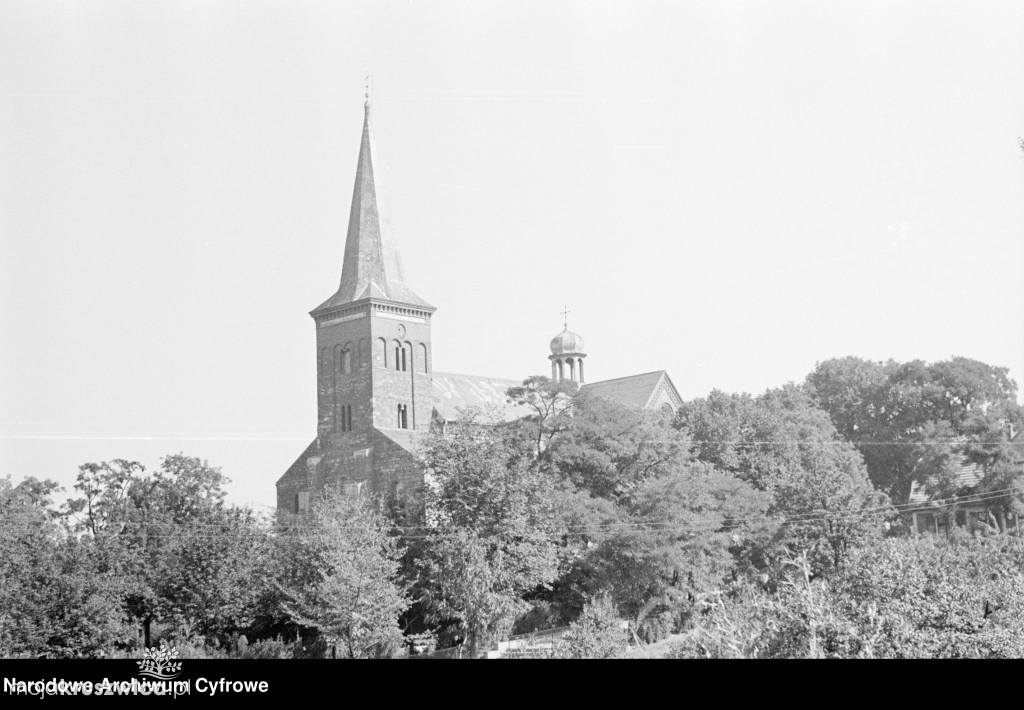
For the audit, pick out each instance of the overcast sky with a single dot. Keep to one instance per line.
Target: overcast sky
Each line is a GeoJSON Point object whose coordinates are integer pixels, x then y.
{"type": "Point", "coordinates": [728, 191]}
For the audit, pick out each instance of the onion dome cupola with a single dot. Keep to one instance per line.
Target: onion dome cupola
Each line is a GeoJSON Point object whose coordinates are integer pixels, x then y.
{"type": "Point", "coordinates": [567, 355]}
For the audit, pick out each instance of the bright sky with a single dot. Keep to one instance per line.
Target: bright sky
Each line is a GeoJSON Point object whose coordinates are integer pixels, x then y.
{"type": "Point", "coordinates": [731, 191]}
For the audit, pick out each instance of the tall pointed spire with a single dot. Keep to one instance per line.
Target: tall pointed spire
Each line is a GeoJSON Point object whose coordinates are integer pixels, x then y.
{"type": "Point", "coordinates": [372, 266]}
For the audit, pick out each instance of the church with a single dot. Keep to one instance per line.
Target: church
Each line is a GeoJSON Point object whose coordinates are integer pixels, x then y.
{"type": "Point", "coordinates": [377, 390]}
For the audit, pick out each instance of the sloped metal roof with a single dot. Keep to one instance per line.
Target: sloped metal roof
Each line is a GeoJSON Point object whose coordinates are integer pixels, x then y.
{"type": "Point", "coordinates": [633, 391]}
{"type": "Point", "coordinates": [454, 392]}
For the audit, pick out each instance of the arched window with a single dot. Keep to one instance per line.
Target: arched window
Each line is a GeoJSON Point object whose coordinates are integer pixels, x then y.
{"type": "Point", "coordinates": [667, 410]}
{"type": "Point", "coordinates": [400, 357]}
{"type": "Point", "coordinates": [364, 352]}
{"type": "Point", "coordinates": [382, 355]}
{"type": "Point", "coordinates": [348, 415]}
{"type": "Point", "coordinates": [346, 359]}
{"type": "Point", "coordinates": [423, 357]}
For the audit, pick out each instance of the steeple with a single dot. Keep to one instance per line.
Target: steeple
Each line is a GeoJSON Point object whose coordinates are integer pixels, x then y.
{"type": "Point", "coordinates": [372, 266]}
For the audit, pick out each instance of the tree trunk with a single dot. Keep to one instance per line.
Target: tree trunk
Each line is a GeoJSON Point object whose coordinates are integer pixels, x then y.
{"type": "Point", "coordinates": [147, 623]}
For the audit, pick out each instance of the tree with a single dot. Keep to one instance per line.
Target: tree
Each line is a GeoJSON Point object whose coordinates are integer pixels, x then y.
{"type": "Point", "coordinates": [914, 422]}
{"type": "Point", "coordinates": [214, 573]}
{"type": "Point", "coordinates": [783, 444]}
{"type": "Point", "coordinates": [550, 408]}
{"type": "Point", "coordinates": [489, 531]}
{"type": "Point", "coordinates": [678, 537]}
{"type": "Point", "coordinates": [179, 553]}
{"type": "Point", "coordinates": [608, 449]}
{"type": "Point", "coordinates": [597, 633]}
{"type": "Point", "coordinates": [53, 601]}
{"type": "Point", "coordinates": [352, 595]}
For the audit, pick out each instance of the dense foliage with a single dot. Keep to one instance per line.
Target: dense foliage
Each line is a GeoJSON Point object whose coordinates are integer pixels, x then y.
{"type": "Point", "coordinates": [745, 526]}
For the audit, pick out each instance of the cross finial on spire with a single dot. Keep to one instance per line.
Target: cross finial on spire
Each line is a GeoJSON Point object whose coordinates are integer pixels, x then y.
{"type": "Point", "coordinates": [565, 316]}
{"type": "Point", "coordinates": [366, 102]}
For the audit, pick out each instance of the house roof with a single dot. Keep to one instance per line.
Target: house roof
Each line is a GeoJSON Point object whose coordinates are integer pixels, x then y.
{"type": "Point", "coordinates": [372, 266]}
{"type": "Point", "coordinates": [635, 391]}
{"type": "Point", "coordinates": [966, 476]}
{"type": "Point", "coordinates": [454, 392]}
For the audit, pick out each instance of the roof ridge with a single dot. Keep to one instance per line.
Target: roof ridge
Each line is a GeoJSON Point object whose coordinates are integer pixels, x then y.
{"type": "Point", "coordinates": [478, 377]}
{"type": "Point", "coordinates": [628, 377]}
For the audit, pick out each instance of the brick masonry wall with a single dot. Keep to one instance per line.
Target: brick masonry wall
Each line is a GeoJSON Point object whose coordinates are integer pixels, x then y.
{"type": "Point", "coordinates": [374, 387]}
{"type": "Point", "coordinates": [388, 467]}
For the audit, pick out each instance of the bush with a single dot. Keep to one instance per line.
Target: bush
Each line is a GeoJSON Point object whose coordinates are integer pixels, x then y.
{"type": "Point", "coordinates": [270, 648]}
{"type": "Point", "coordinates": [598, 633]}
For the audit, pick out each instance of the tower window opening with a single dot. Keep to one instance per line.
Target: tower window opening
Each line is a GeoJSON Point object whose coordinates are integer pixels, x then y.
{"type": "Point", "coordinates": [346, 360]}
{"type": "Point", "coordinates": [403, 417]}
{"type": "Point", "coordinates": [348, 416]}
{"type": "Point", "coordinates": [342, 418]}
{"type": "Point", "coordinates": [400, 361]}
{"type": "Point", "coordinates": [383, 352]}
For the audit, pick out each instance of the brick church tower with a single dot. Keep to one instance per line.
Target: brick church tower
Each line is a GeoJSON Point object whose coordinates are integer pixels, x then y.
{"type": "Point", "coordinates": [373, 362]}
{"type": "Point", "coordinates": [377, 391]}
